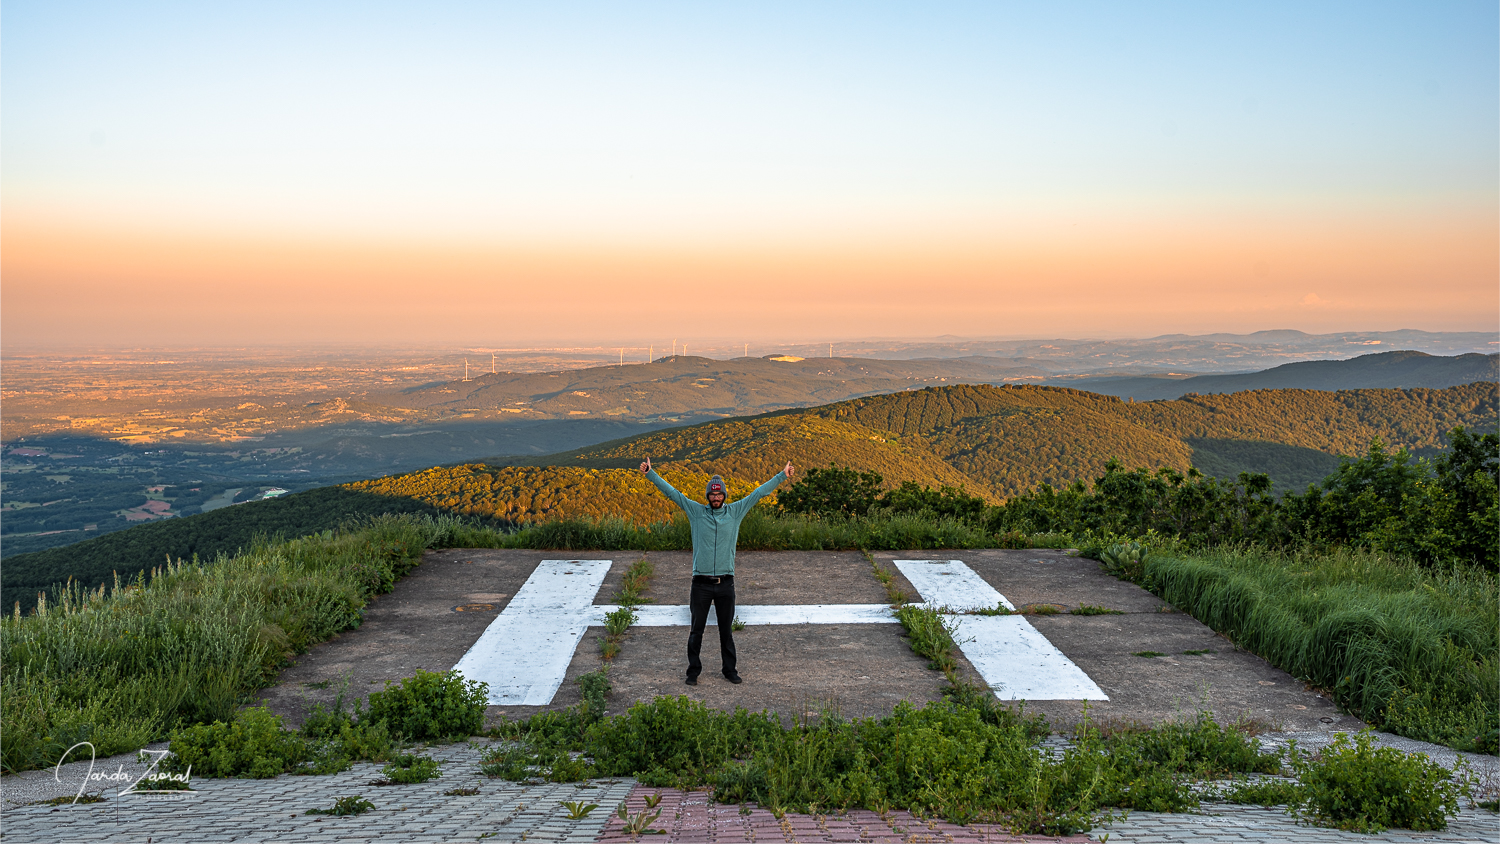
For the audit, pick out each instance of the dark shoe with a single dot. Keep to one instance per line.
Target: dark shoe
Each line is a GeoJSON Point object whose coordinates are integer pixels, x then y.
{"type": "Point", "coordinates": [692, 681]}
{"type": "Point", "coordinates": [733, 678]}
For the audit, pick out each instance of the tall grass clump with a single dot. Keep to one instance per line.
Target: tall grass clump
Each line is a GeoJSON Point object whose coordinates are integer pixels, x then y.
{"type": "Point", "coordinates": [124, 666]}
{"type": "Point", "coordinates": [1408, 648]}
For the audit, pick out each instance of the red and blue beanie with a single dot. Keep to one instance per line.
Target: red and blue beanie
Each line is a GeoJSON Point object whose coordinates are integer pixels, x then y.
{"type": "Point", "coordinates": [716, 484]}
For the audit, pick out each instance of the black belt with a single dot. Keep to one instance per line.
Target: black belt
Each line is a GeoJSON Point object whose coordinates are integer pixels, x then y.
{"type": "Point", "coordinates": [708, 578]}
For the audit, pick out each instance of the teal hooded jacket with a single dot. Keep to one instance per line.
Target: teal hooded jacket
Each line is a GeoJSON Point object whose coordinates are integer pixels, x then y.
{"type": "Point", "coordinates": [715, 532]}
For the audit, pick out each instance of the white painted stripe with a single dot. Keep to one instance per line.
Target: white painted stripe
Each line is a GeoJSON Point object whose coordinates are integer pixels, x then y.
{"type": "Point", "coordinates": [952, 585]}
{"type": "Point", "coordinates": [524, 654]}
{"type": "Point", "coordinates": [1011, 656]}
{"type": "Point", "coordinates": [1018, 662]}
{"type": "Point", "coordinates": [680, 615]}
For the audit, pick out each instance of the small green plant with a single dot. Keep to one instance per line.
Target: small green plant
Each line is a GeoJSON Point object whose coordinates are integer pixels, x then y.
{"type": "Point", "coordinates": [893, 594]}
{"type": "Point", "coordinates": [1354, 785]}
{"type": "Point", "coordinates": [410, 768]}
{"type": "Point", "coordinates": [653, 799]}
{"type": "Point", "coordinates": [1040, 609]}
{"type": "Point", "coordinates": [1199, 652]}
{"type": "Point", "coordinates": [998, 609]}
{"type": "Point", "coordinates": [634, 584]}
{"type": "Point", "coordinates": [609, 648]}
{"type": "Point", "coordinates": [431, 705]}
{"type": "Point", "coordinates": [345, 806]}
{"type": "Point", "coordinates": [618, 621]}
{"type": "Point", "coordinates": [461, 792]}
{"type": "Point", "coordinates": [595, 687]}
{"type": "Point", "coordinates": [640, 822]}
{"type": "Point", "coordinates": [1148, 654]}
{"type": "Point", "coordinates": [1094, 609]}
{"type": "Point", "coordinates": [1126, 560]}
{"type": "Point", "coordinates": [737, 625]}
{"type": "Point", "coordinates": [929, 636]}
{"type": "Point", "coordinates": [577, 809]}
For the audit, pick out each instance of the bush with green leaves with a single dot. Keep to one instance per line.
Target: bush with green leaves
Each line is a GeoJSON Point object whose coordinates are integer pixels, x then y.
{"type": "Point", "coordinates": [252, 745]}
{"type": "Point", "coordinates": [595, 687]}
{"type": "Point", "coordinates": [947, 502]}
{"type": "Point", "coordinates": [1357, 786]}
{"type": "Point", "coordinates": [834, 491]}
{"type": "Point", "coordinates": [431, 705]}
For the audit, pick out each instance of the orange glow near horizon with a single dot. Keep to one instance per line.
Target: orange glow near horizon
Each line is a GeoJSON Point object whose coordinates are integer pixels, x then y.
{"type": "Point", "coordinates": [1114, 276]}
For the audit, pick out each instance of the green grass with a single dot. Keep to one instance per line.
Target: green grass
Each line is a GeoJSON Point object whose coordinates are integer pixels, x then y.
{"type": "Point", "coordinates": [963, 763]}
{"type": "Point", "coordinates": [122, 667]}
{"type": "Point", "coordinates": [1409, 649]}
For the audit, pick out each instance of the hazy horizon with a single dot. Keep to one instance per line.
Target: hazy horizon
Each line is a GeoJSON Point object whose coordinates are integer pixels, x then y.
{"type": "Point", "coordinates": [486, 174]}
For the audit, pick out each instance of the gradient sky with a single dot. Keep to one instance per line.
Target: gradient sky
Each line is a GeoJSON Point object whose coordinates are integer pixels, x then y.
{"type": "Point", "coordinates": [504, 173]}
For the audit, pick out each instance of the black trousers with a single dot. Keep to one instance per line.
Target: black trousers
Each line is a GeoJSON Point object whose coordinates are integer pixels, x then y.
{"type": "Point", "coordinates": [721, 596]}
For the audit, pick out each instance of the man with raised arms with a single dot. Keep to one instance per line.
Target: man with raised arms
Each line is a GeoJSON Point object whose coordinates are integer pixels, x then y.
{"type": "Point", "coordinates": [716, 530]}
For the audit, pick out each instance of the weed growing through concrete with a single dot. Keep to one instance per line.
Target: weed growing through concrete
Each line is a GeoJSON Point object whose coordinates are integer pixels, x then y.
{"type": "Point", "coordinates": [616, 623]}
{"type": "Point", "coordinates": [737, 625]}
{"type": "Point", "coordinates": [638, 823]}
{"type": "Point", "coordinates": [577, 809]}
{"type": "Point", "coordinates": [595, 688]}
{"type": "Point", "coordinates": [1092, 609]}
{"type": "Point", "coordinates": [636, 581]}
{"type": "Point", "coordinates": [461, 792]}
{"type": "Point", "coordinates": [1199, 652]}
{"type": "Point", "coordinates": [409, 768]}
{"type": "Point", "coordinates": [353, 805]}
{"type": "Point", "coordinates": [929, 636]}
{"type": "Point", "coordinates": [1148, 654]}
{"type": "Point", "coordinates": [893, 594]}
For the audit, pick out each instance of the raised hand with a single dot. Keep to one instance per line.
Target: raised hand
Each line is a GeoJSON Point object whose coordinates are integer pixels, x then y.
{"type": "Point", "coordinates": [789, 470]}
{"type": "Point", "coordinates": [646, 467]}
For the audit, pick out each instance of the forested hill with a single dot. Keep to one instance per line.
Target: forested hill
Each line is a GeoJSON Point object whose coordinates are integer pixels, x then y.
{"type": "Point", "coordinates": [1386, 369]}
{"type": "Point", "coordinates": [993, 441]}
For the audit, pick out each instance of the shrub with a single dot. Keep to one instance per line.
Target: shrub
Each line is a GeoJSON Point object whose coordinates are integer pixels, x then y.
{"type": "Point", "coordinates": [431, 705]}
{"type": "Point", "coordinates": [595, 687]}
{"type": "Point", "coordinates": [1358, 786]}
{"type": "Point", "coordinates": [253, 745]}
{"type": "Point", "coordinates": [947, 502]}
{"type": "Point", "coordinates": [834, 491]}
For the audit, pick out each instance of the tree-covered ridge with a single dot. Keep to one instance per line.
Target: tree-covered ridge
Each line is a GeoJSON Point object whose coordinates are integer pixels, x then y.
{"type": "Point", "coordinates": [758, 446]}
{"type": "Point", "coordinates": [532, 493]}
{"type": "Point", "coordinates": [995, 442]}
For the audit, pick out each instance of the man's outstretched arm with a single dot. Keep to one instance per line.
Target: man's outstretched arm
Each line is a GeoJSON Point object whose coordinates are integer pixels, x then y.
{"type": "Point", "coordinates": [666, 489]}
{"type": "Point", "coordinates": [764, 489]}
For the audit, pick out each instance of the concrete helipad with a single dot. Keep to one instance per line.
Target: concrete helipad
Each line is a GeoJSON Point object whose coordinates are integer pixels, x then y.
{"type": "Point", "coordinates": [818, 635]}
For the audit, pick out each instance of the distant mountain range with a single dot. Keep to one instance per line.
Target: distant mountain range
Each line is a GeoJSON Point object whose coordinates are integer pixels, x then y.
{"type": "Point", "coordinates": [1385, 369]}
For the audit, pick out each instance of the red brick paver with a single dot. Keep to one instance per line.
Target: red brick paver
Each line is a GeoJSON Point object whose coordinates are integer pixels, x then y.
{"type": "Point", "coordinates": [688, 817]}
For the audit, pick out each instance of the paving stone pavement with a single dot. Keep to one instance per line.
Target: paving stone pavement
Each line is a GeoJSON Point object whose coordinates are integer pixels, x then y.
{"type": "Point", "coordinates": [275, 809]}
{"type": "Point", "coordinates": [1223, 823]}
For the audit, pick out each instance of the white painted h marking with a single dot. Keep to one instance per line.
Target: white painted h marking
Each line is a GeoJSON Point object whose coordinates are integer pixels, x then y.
{"type": "Point", "coordinates": [524, 654]}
